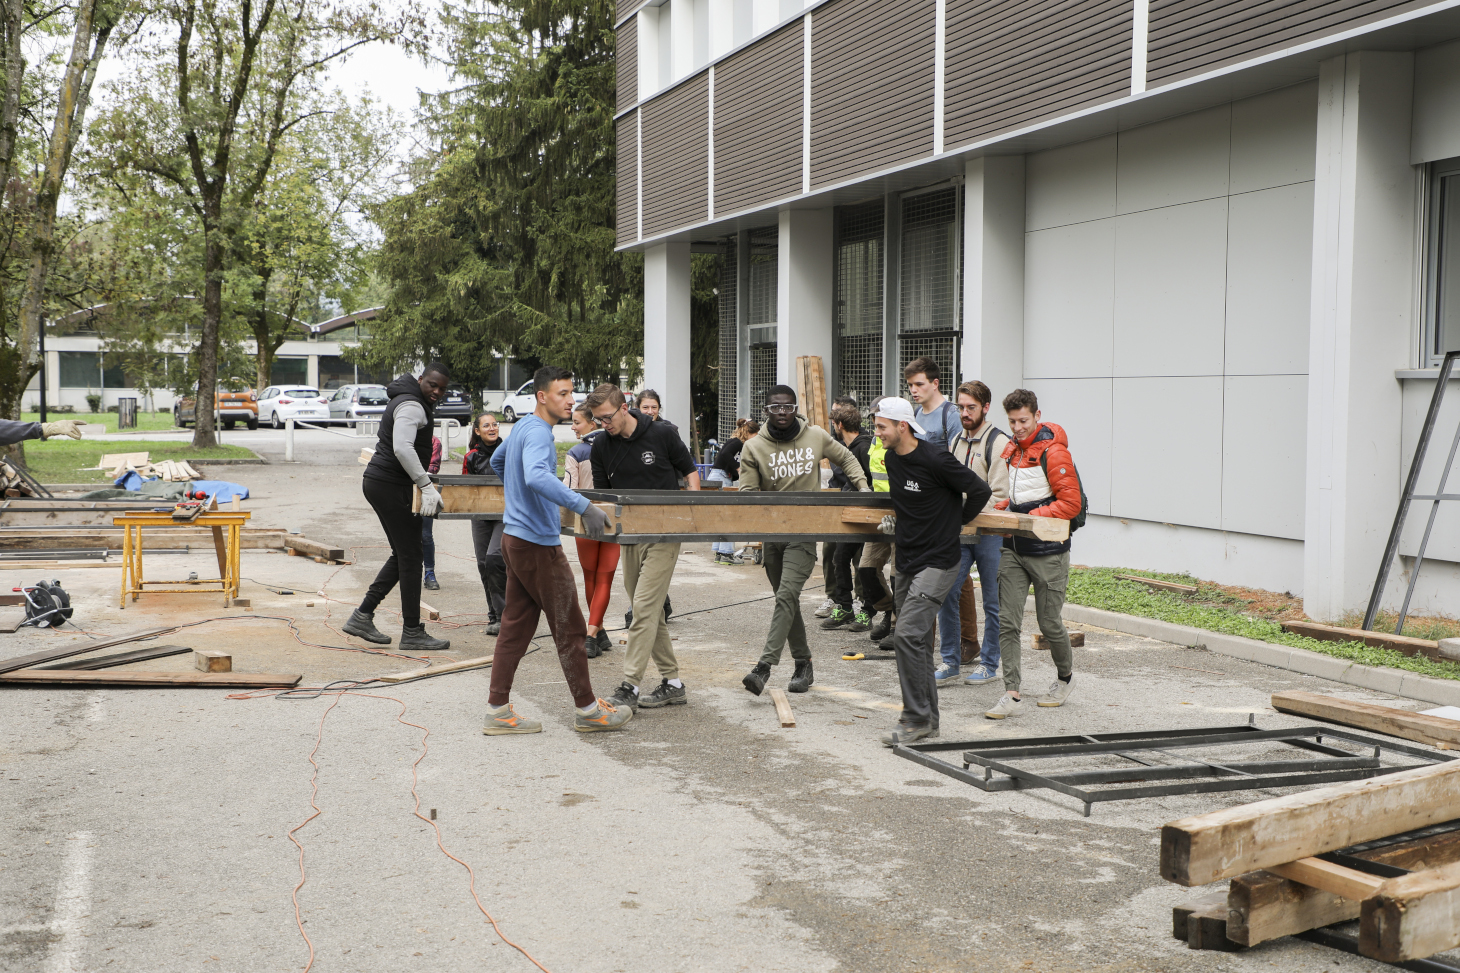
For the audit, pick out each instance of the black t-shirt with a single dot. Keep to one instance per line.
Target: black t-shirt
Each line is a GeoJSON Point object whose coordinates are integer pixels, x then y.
{"type": "Point", "coordinates": [933, 496]}
{"type": "Point", "coordinates": [728, 459]}
{"type": "Point", "coordinates": [652, 458]}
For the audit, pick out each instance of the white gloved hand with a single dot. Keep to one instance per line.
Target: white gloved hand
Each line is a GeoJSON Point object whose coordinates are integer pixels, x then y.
{"type": "Point", "coordinates": [595, 522]}
{"type": "Point", "coordinates": [430, 500]}
{"type": "Point", "coordinates": [888, 525]}
{"type": "Point", "coordinates": [64, 427]}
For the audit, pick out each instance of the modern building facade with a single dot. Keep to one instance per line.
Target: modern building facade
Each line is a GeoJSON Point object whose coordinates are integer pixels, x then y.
{"type": "Point", "coordinates": [1221, 242]}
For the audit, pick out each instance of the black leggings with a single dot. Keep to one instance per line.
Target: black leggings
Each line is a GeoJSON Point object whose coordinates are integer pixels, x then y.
{"type": "Point", "coordinates": [486, 540]}
{"type": "Point", "coordinates": [392, 504]}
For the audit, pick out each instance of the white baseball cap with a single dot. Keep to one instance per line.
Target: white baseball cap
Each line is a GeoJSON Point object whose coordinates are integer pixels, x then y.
{"type": "Point", "coordinates": [898, 410]}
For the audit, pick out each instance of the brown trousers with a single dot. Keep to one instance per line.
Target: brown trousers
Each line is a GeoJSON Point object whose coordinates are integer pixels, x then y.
{"type": "Point", "coordinates": [540, 581]}
{"type": "Point", "coordinates": [968, 621]}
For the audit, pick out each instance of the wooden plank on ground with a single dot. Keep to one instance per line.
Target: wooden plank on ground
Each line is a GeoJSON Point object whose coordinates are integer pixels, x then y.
{"type": "Point", "coordinates": [10, 621]}
{"type": "Point", "coordinates": [783, 707]}
{"type": "Point", "coordinates": [430, 613]}
{"type": "Point", "coordinates": [1378, 640]}
{"type": "Point", "coordinates": [111, 461]}
{"type": "Point", "coordinates": [1210, 847]}
{"type": "Point", "coordinates": [1038, 641]}
{"type": "Point", "coordinates": [51, 655]}
{"type": "Point", "coordinates": [1184, 911]}
{"type": "Point", "coordinates": [1412, 916]}
{"type": "Point", "coordinates": [1433, 730]}
{"type": "Point", "coordinates": [9, 600]}
{"type": "Point", "coordinates": [122, 658]}
{"type": "Point", "coordinates": [1184, 589]}
{"type": "Point", "coordinates": [1319, 874]}
{"type": "Point", "coordinates": [235, 680]}
{"type": "Point", "coordinates": [459, 666]}
{"type": "Point", "coordinates": [313, 548]}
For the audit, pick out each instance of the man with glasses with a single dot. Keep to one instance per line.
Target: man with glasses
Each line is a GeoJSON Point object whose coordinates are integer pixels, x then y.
{"type": "Point", "coordinates": [637, 454]}
{"type": "Point", "coordinates": [786, 455]}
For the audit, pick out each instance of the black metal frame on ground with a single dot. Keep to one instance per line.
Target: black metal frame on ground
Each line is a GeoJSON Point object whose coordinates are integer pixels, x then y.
{"type": "Point", "coordinates": [1201, 776]}
{"type": "Point", "coordinates": [1411, 483]}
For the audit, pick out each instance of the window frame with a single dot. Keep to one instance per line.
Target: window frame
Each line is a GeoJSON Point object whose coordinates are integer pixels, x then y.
{"type": "Point", "coordinates": [1434, 232]}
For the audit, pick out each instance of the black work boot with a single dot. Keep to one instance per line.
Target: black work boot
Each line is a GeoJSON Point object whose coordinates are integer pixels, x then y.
{"type": "Point", "coordinates": [415, 637]}
{"type": "Point", "coordinates": [802, 678]}
{"type": "Point", "coordinates": [881, 628]}
{"type": "Point", "coordinates": [755, 679]}
{"type": "Point", "coordinates": [362, 626]}
{"type": "Point", "coordinates": [591, 646]}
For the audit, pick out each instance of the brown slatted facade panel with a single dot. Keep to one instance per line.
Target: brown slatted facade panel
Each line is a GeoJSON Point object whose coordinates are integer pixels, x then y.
{"type": "Point", "coordinates": [758, 123]}
{"type": "Point", "coordinates": [677, 157]}
{"type": "Point", "coordinates": [626, 58]}
{"type": "Point", "coordinates": [1012, 62]}
{"type": "Point", "coordinates": [625, 7]}
{"type": "Point", "coordinates": [1191, 36]}
{"type": "Point", "coordinates": [626, 178]}
{"type": "Point", "coordinates": [871, 86]}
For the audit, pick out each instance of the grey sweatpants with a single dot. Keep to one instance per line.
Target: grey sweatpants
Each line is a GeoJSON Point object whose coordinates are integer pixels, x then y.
{"type": "Point", "coordinates": [787, 566]}
{"type": "Point", "coordinates": [918, 598]}
{"type": "Point", "coordinates": [1050, 575]}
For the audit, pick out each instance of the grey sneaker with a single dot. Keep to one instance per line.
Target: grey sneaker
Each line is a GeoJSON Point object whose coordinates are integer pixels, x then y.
{"type": "Point", "coordinates": [980, 674]}
{"type": "Point", "coordinates": [1006, 706]}
{"type": "Point", "coordinates": [825, 609]}
{"type": "Point", "coordinates": [1059, 691]}
{"type": "Point", "coordinates": [624, 697]}
{"type": "Point", "coordinates": [664, 695]}
{"type": "Point", "coordinates": [905, 733]}
{"type": "Point", "coordinates": [362, 626]}
{"type": "Point", "coordinates": [503, 721]}
{"type": "Point", "coordinates": [603, 717]}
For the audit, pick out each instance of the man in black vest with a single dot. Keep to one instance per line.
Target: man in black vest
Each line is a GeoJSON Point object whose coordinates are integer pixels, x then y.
{"type": "Point", "coordinates": [400, 460]}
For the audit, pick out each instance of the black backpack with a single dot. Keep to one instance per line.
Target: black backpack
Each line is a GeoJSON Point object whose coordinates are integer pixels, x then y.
{"type": "Point", "coordinates": [1077, 521]}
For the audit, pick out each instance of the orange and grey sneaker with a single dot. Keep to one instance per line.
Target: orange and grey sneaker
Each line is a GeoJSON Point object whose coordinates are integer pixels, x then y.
{"type": "Point", "coordinates": [602, 717]}
{"type": "Point", "coordinates": [502, 720]}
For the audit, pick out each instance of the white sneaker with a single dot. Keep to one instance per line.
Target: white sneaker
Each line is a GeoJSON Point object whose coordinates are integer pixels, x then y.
{"type": "Point", "coordinates": [1005, 707]}
{"type": "Point", "coordinates": [825, 610]}
{"type": "Point", "coordinates": [1059, 691]}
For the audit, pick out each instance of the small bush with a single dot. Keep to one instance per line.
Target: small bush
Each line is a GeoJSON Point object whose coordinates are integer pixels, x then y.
{"type": "Point", "coordinates": [93, 401]}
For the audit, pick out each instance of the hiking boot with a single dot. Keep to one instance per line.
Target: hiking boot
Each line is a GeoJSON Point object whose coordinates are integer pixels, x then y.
{"type": "Point", "coordinates": [1006, 706]}
{"type": "Point", "coordinates": [624, 697]}
{"type": "Point", "coordinates": [825, 608]}
{"type": "Point", "coordinates": [888, 644]}
{"type": "Point", "coordinates": [755, 679]}
{"type": "Point", "coordinates": [604, 716]}
{"type": "Point", "coordinates": [882, 628]}
{"type": "Point", "coordinates": [802, 678]}
{"type": "Point", "coordinates": [503, 720]}
{"type": "Point", "coordinates": [604, 642]}
{"type": "Point", "coordinates": [838, 618]}
{"type": "Point", "coordinates": [415, 637]}
{"type": "Point", "coordinates": [861, 621]}
{"type": "Point", "coordinates": [494, 627]}
{"type": "Point", "coordinates": [665, 695]}
{"type": "Point", "coordinates": [981, 674]}
{"type": "Point", "coordinates": [431, 583]}
{"type": "Point", "coordinates": [945, 675]}
{"type": "Point", "coordinates": [905, 733]}
{"type": "Point", "coordinates": [362, 626]}
{"type": "Point", "coordinates": [590, 645]}
{"type": "Point", "coordinates": [1059, 691]}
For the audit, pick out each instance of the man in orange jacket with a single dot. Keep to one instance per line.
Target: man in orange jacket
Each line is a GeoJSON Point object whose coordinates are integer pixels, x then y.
{"type": "Point", "coordinates": [1042, 483]}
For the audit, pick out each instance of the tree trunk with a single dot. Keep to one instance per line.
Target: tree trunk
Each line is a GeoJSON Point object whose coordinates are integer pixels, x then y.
{"type": "Point", "coordinates": [213, 246]}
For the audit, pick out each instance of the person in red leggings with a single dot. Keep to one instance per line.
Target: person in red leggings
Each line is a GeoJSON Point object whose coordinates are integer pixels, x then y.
{"type": "Point", "coordinates": [598, 559]}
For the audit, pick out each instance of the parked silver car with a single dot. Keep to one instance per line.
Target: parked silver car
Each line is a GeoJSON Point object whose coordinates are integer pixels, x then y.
{"type": "Point", "coordinates": [355, 402]}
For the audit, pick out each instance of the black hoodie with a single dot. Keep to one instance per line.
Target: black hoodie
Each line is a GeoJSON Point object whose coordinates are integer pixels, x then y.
{"type": "Point", "coordinates": [859, 448]}
{"type": "Point", "coordinates": [653, 457]}
{"type": "Point", "coordinates": [383, 465]}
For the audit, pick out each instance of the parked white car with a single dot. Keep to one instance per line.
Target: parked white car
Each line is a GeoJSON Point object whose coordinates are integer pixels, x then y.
{"type": "Point", "coordinates": [299, 402]}
{"type": "Point", "coordinates": [355, 402]}
{"type": "Point", "coordinates": [523, 402]}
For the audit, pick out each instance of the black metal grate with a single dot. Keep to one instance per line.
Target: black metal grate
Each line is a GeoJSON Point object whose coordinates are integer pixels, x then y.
{"type": "Point", "coordinates": [729, 377]}
{"type": "Point", "coordinates": [858, 337]}
{"type": "Point", "coordinates": [929, 281]}
{"type": "Point", "coordinates": [761, 315]}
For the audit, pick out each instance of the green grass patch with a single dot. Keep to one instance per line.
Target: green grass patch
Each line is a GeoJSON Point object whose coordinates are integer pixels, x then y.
{"type": "Point", "coordinates": [1214, 609]}
{"type": "Point", "coordinates": [1429, 627]}
{"type": "Point", "coordinates": [62, 460]}
{"type": "Point", "coordinates": [146, 421]}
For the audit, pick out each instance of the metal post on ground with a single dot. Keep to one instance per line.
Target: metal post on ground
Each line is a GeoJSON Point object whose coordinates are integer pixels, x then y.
{"type": "Point", "coordinates": [289, 440]}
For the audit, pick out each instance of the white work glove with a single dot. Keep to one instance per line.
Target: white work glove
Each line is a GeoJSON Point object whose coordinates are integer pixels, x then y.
{"type": "Point", "coordinates": [65, 427]}
{"type": "Point", "coordinates": [595, 522]}
{"type": "Point", "coordinates": [430, 500]}
{"type": "Point", "coordinates": [888, 525]}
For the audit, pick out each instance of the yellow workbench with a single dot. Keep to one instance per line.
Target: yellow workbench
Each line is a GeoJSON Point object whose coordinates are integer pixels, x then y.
{"type": "Point", "coordinates": [227, 526]}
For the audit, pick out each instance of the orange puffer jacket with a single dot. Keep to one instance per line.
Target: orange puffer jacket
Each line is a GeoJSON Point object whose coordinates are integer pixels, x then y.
{"type": "Point", "coordinates": [1031, 492]}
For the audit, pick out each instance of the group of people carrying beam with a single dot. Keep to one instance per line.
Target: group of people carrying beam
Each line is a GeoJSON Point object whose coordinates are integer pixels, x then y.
{"type": "Point", "coordinates": [939, 461]}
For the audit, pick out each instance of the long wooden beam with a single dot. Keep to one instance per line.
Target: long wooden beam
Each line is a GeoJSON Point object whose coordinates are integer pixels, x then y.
{"type": "Point", "coordinates": [1403, 723]}
{"type": "Point", "coordinates": [233, 680]}
{"type": "Point", "coordinates": [65, 652]}
{"type": "Point", "coordinates": [1341, 881]}
{"type": "Point", "coordinates": [1412, 916]}
{"type": "Point", "coordinates": [1379, 640]}
{"type": "Point", "coordinates": [1210, 847]}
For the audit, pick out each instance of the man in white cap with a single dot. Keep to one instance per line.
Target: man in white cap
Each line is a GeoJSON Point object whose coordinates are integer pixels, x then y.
{"type": "Point", "coordinates": [933, 496]}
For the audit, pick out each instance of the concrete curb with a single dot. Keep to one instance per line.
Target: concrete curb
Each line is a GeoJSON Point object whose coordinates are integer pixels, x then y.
{"type": "Point", "coordinates": [1396, 682]}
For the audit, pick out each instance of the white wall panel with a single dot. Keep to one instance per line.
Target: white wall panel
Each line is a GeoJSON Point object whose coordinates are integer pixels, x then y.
{"type": "Point", "coordinates": [1226, 558]}
{"type": "Point", "coordinates": [1071, 184]}
{"type": "Point", "coordinates": [1082, 407]}
{"type": "Point", "coordinates": [1068, 300]}
{"type": "Point", "coordinates": [1273, 136]}
{"type": "Point", "coordinates": [1269, 281]}
{"type": "Point", "coordinates": [1170, 290]}
{"type": "Point", "coordinates": [1166, 455]}
{"type": "Point", "coordinates": [1179, 160]}
{"type": "Point", "coordinates": [1436, 133]}
{"type": "Point", "coordinates": [1262, 468]}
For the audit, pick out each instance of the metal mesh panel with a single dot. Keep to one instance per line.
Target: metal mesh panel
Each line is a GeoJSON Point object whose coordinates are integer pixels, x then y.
{"type": "Point", "coordinates": [859, 324]}
{"type": "Point", "coordinates": [929, 284]}
{"type": "Point", "coordinates": [729, 377]}
{"type": "Point", "coordinates": [761, 315]}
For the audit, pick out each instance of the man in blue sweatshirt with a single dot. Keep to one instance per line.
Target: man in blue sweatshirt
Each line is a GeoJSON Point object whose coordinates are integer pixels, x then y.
{"type": "Point", "coordinates": [539, 579]}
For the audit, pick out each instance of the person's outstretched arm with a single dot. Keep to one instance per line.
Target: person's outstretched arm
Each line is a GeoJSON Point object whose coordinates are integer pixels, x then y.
{"type": "Point", "coordinates": [540, 473]}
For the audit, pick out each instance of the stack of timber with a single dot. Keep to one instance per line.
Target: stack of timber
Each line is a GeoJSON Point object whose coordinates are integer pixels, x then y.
{"type": "Point", "coordinates": [1384, 851]}
{"type": "Point", "coordinates": [1436, 731]}
{"type": "Point", "coordinates": [14, 483]}
{"type": "Point", "coordinates": [37, 669]}
{"type": "Point", "coordinates": [170, 470]}
{"type": "Point", "coordinates": [811, 390]}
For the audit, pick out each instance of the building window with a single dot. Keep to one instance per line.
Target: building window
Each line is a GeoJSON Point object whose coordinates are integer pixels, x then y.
{"type": "Point", "coordinates": [929, 319]}
{"type": "Point", "coordinates": [760, 319]}
{"type": "Point", "coordinates": [80, 369]}
{"type": "Point", "coordinates": [335, 372]}
{"type": "Point", "coordinates": [289, 371]}
{"type": "Point", "coordinates": [858, 351]}
{"type": "Point", "coordinates": [1443, 331]}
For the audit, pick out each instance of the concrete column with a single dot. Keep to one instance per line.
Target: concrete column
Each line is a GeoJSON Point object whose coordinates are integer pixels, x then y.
{"type": "Point", "coordinates": [311, 375]}
{"type": "Point", "coordinates": [666, 329]}
{"type": "Point", "coordinates": [1360, 326]}
{"type": "Point", "coordinates": [993, 273]}
{"type": "Point", "coordinates": [804, 291]}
